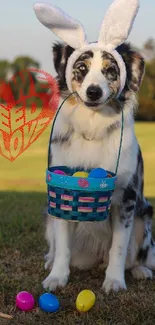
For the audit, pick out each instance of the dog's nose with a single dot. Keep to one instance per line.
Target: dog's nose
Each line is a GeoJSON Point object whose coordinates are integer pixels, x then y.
{"type": "Point", "coordinates": [94, 92]}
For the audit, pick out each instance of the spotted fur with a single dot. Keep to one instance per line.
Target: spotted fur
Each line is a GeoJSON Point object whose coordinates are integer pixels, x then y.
{"type": "Point", "coordinates": [61, 54]}
{"type": "Point", "coordinates": [83, 76]}
{"type": "Point", "coordinates": [88, 137]}
{"type": "Point", "coordinates": [81, 67]}
{"type": "Point", "coordinates": [109, 66]}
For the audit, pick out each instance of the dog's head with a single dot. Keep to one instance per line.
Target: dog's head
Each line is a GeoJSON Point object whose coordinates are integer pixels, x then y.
{"type": "Point", "coordinates": [95, 74]}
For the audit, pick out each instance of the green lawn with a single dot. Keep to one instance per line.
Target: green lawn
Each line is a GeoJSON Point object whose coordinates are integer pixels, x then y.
{"type": "Point", "coordinates": [22, 245]}
{"type": "Point", "coordinates": [27, 173]}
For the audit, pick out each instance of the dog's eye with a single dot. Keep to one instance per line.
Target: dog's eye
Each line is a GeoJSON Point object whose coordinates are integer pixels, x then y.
{"type": "Point", "coordinates": [82, 67]}
{"type": "Point", "coordinates": [111, 73]}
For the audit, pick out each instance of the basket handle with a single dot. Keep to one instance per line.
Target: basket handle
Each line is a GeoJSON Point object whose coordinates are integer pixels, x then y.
{"type": "Point", "coordinates": [53, 124]}
{"type": "Point", "coordinates": [52, 129]}
{"type": "Point", "coordinates": [120, 145]}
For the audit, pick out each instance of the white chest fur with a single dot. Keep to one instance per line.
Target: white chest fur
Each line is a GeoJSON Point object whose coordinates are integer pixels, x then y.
{"type": "Point", "coordinates": [102, 149]}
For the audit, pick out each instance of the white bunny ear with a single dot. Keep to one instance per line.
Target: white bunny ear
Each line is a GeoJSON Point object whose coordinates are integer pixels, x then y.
{"type": "Point", "coordinates": [65, 27]}
{"type": "Point", "coordinates": [118, 22]}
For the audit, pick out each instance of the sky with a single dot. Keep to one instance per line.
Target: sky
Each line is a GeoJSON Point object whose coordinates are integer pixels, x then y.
{"type": "Point", "coordinates": [22, 34]}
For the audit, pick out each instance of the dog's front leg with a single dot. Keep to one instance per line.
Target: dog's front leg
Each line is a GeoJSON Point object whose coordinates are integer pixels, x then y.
{"type": "Point", "coordinates": [58, 277]}
{"type": "Point", "coordinates": [122, 221]}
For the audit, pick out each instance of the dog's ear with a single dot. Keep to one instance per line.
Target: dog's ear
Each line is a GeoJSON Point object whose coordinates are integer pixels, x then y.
{"type": "Point", "coordinates": [135, 67]}
{"type": "Point", "coordinates": [61, 53]}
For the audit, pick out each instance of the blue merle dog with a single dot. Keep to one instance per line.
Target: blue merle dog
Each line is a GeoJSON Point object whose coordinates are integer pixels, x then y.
{"type": "Point", "coordinates": [87, 134]}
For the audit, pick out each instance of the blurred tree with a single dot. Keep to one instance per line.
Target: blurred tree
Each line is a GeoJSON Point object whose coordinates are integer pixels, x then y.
{"type": "Point", "coordinates": [150, 45]}
{"type": "Point", "coordinates": [22, 63]}
{"type": "Point", "coordinates": [4, 70]}
{"type": "Point", "coordinates": [20, 82]}
{"type": "Point", "coordinates": [147, 93]}
{"type": "Point", "coordinates": [4, 73]}
{"type": "Point", "coordinates": [148, 49]}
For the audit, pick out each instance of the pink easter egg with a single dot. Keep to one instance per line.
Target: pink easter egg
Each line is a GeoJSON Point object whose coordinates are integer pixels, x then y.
{"type": "Point", "coordinates": [58, 171]}
{"type": "Point", "coordinates": [25, 301]}
{"type": "Point", "coordinates": [83, 183]}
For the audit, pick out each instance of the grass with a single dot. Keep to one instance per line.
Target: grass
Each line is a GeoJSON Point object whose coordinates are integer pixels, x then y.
{"type": "Point", "coordinates": [27, 172]}
{"type": "Point", "coordinates": [22, 245]}
{"type": "Point", "coordinates": [146, 133]}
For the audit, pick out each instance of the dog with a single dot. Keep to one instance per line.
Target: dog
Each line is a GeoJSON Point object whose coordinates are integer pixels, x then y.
{"type": "Point", "coordinates": [87, 135]}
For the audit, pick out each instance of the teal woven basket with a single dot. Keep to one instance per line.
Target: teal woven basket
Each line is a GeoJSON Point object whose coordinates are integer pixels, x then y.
{"type": "Point", "coordinates": [79, 199]}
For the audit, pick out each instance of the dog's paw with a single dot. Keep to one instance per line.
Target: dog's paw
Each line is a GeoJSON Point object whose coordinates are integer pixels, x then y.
{"type": "Point", "coordinates": [113, 285]}
{"type": "Point", "coordinates": [48, 265]}
{"type": "Point", "coordinates": [141, 273]}
{"type": "Point", "coordinates": [52, 282]}
{"type": "Point", "coordinates": [48, 261]}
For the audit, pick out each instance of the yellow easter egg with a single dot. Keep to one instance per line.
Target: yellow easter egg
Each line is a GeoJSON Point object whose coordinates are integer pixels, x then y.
{"type": "Point", "coordinates": [81, 174]}
{"type": "Point", "coordinates": [85, 300]}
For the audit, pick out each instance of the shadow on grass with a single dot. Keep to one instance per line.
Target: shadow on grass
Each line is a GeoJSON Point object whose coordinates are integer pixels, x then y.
{"type": "Point", "coordinates": [21, 268]}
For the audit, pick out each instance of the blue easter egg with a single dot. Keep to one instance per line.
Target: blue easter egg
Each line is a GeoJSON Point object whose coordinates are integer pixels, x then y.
{"type": "Point", "coordinates": [49, 302]}
{"type": "Point", "coordinates": [98, 173]}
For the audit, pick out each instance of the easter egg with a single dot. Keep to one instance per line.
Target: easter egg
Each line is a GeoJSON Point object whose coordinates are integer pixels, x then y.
{"type": "Point", "coordinates": [49, 302]}
{"type": "Point", "coordinates": [60, 172]}
{"type": "Point", "coordinates": [25, 301]}
{"type": "Point", "coordinates": [98, 173]}
{"type": "Point", "coordinates": [85, 300]}
{"type": "Point", "coordinates": [81, 174]}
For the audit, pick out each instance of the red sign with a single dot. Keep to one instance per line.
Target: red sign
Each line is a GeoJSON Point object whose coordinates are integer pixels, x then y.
{"type": "Point", "coordinates": [21, 123]}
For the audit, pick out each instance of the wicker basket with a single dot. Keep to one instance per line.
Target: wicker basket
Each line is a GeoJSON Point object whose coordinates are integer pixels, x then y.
{"type": "Point", "coordinates": [79, 199]}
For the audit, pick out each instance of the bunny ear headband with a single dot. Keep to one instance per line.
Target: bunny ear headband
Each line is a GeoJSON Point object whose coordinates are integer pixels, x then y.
{"type": "Point", "coordinates": [115, 29]}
